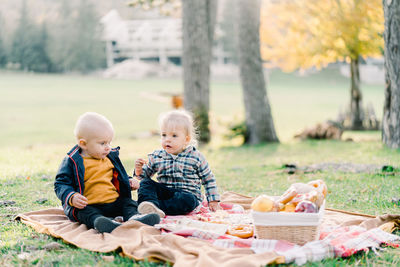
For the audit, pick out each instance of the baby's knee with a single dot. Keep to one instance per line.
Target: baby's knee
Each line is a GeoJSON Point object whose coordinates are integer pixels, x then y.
{"type": "Point", "coordinates": [146, 185]}
{"type": "Point", "coordinates": [190, 200]}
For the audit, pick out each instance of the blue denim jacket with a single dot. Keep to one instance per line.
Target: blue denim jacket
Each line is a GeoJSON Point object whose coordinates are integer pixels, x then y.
{"type": "Point", "coordinates": [70, 178]}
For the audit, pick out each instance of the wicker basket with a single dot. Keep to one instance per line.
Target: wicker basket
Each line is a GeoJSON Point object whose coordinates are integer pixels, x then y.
{"type": "Point", "coordinates": [298, 228]}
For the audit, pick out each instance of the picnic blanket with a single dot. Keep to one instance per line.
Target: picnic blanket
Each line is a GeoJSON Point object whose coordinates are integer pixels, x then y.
{"type": "Point", "coordinates": [343, 234]}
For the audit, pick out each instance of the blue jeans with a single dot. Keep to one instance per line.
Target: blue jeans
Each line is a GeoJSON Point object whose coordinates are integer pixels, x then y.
{"type": "Point", "coordinates": [172, 201]}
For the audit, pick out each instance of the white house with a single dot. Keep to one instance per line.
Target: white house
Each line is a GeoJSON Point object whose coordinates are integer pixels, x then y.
{"type": "Point", "coordinates": [158, 39]}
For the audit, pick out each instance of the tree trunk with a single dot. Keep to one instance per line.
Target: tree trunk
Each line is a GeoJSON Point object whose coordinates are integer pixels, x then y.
{"type": "Point", "coordinates": [391, 111]}
{"type": "Point", "coordinates": [355, 99]}
{"type": "Point", "coordinates": [198, 18]}
{"type": "Point", "coordinates": [259, 122]}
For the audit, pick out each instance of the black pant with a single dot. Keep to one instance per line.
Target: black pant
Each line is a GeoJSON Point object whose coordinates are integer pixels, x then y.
{"type": "Point", "coordinates": [123, 206]}
{"type": "Point", "coordinates": [171, 200]}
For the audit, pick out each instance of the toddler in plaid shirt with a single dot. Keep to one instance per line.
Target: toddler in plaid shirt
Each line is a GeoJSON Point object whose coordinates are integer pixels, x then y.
{"type": "Point", "coordinates": [181, 170]}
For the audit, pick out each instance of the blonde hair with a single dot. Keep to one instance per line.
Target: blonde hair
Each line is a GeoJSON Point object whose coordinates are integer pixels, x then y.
{"type": "Point", "coordinates": [178, 118]}
{"type": "Point", "coordinates": [91, 123]}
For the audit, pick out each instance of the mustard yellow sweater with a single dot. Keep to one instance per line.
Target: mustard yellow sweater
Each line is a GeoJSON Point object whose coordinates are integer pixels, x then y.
{"type": "Point", "coordinates": [98, 186]}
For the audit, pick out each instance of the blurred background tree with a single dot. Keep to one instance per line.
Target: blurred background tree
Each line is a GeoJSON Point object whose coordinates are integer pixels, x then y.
{"type": "Point", "coordinates": [76, 42]}
{"type": "Point", "coordinates": [62, 35]}
{"type": "Point", "coordinates": [70, 41]}
{"type": "Point", "coordinates": [3, 48]}
{"type": "Point", "coordinates": [29, 45]}
{"type": "Point", "coordinates": [309, 33]}
{"type": "Point", "coordinates": [87, 46]}
{"type": "Point", "coordinates": [198, 25]}
{"type": "Point", "coordinates": [391, 112]}
{"type": "Point", "coordinates": [259, 123]}
{"type": "Point", "coordinates": [3, 53]}
{"type": "Point", "coordinates": [228, 27]}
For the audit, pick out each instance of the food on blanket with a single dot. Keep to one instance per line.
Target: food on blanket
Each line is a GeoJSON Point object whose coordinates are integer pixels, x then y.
{"type": "Point", "coordinates": [231, 218]}
{"type": "Point", "coordinates": [314, 191]}
{"type": "Point", "coordinates": [215, 221]}
{"type": "Point", "coordinates": [289, 207]}
{"type": "Point", "coordinates": [221, 213]}
{"type": "Point", "coordinates": [294, 190]}
{"type": "Point", "coordinates": [278, 206]}
{"type": "Point", "coordinates": [306, 206]}
{"type": "Point", "coordinates": [211, 219]}
{"type": "Point", "coordinates": [240, 230]}
{"type": "Point", "coordinates": [262, 203]}
{"type": "Point", "coordinates": [288, 195]}
{"type": "Point", "coordinates": [320, 199]}
{"type": "Point", "coordinates": [313, 196]}
{"type": "Point", "coordinates": [320, 186]}
{"type": "Point", "coordinates": [302, 188]}
{"type": "Point", "coordinates": [183, 224]}
{"type": "Point", "coordinates": [218, 216]}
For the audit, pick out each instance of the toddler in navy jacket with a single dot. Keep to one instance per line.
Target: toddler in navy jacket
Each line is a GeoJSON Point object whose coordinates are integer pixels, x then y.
{"type": "Point", "coordinates": [92, 183]}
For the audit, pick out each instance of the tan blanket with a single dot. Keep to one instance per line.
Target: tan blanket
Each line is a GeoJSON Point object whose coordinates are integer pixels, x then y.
{"type": "Point", "coordinates": [140, 242]}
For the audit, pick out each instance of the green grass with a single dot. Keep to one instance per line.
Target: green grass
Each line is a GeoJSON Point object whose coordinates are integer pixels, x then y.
{"type": "Point", "coordinates": [38, 113]}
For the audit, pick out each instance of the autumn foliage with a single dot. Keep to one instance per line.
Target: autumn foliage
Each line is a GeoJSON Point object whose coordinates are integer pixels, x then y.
{"type": "Point", "coordinates": [307, 33]}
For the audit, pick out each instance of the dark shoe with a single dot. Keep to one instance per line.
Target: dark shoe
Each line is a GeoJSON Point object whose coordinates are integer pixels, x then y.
{"type": "Point", "coordinates": [105, 225]}
{"type": "Point", "coordinates": [149, 219]}
{"type": "Point", "coordinates": [147, 207]}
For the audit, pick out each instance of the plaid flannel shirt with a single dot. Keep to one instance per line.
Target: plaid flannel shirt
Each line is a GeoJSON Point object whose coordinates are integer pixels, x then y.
{"type": "Point", "coordinates": [187, 171]}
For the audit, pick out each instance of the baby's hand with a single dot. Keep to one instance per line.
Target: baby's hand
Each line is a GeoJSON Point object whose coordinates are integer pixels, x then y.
{"type": "Point", "coordinates": [139, 166]}
{"type": "Point", "coordinates": [214, 205]}
{"type": "Point", "coordinates": [134, 184]}
{"type": "Point", "coordinates": [79, 201]}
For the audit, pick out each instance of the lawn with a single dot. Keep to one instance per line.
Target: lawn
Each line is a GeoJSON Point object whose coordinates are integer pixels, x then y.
{"type": "Point", "coordinates": [38, 113]}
